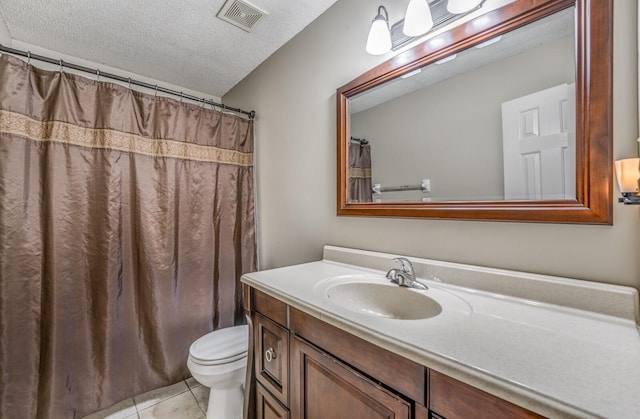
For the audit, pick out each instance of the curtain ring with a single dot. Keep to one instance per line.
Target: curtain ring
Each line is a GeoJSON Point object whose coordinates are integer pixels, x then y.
{"type": "Point", "coordinates": [156, 91]}
{"type": "Point", "coordinates": [98, 74]}
{"type": "Point", "coordinates": [181, 96]}
{"type": "Point", "coordinates": [203, 102]}
{"type": "Point", "coordinates": [129, 83]}
{"type": "Point", "coordinates": [61, 65]}
{"type": "Point", "coordinates": [28, 57]}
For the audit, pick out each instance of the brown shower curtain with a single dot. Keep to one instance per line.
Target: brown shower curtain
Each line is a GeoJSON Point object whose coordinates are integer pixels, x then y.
{"type": "Point", "coordinates": [360, 173]}
{"type": "Point", "coordinates": [126, 221]}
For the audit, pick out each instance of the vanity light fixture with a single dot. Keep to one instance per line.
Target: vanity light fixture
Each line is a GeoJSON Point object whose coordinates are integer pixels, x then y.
{"type": "Point", "coordinates": [628, 175]}
{"type": "Point", "coordinates": [379, 40]}
{"type": "Point", "coordinates": [421, 17]}
{"type": "Point", "coordinates": [462, 6]}
{"type": "Point", "coordinates": [417, 19]}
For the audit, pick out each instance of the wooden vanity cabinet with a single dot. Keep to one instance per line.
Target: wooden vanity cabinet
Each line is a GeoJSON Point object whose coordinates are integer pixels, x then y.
{"type": "Point", "coordinates": [452, 399]}
{"type": "Point", "coordinates": [267, 406]}
{"type": "Point", "coordinates": [305, 368]}
{"type": "Point", "coordinates": [269, 321]}
{"type": "Point", "coordinates": [272, 366]}
{"type": "Point", "coordinates": [324, 387]}
{"type": "Point", "coordinates": [402, 376]}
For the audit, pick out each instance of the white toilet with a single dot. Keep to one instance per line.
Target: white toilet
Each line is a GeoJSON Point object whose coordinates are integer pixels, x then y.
{"type": "Point", "coordinates": [218, 360]}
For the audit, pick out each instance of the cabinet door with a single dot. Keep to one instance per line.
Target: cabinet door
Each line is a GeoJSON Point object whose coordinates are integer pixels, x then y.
{"type": "Point", "coordinates": [323, 387]}
{"type": "Point", "coordinates": [268, 407]}
{"type": "Point", "coordinates": [272, 357]}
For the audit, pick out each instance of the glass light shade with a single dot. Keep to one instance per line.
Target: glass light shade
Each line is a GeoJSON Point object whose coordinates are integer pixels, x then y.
{"type": "Point", "coordinates": [417, 20]}
{"type": "Point", "coordinates": [379, 40]}
{"type": "Point", "coordinates": [627, 174]}
{"type": "Point", "coordinates": [462, 6]}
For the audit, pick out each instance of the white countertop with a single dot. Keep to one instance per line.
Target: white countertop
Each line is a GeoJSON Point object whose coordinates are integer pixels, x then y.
{"type": "Point", "coordinates": [556, 361]}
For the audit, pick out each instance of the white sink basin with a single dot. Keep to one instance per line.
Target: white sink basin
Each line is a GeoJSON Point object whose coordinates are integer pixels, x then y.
{"type": "Point", "coordinates": [374, 296]}
{"type": "Point", "coordinates": [393, 302]}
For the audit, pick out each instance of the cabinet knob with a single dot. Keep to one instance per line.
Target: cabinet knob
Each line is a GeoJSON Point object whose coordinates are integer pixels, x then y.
{"type": "Point", "coordinates": [270, 355]}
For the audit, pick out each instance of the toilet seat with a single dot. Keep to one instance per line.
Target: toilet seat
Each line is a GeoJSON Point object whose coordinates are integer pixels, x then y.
{"type": "Point", "coordinates": [206, 362]}
{"type": "Point", "coordinates": [221, 346]}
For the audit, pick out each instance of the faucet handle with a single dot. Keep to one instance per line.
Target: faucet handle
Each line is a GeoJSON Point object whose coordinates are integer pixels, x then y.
{"type": "Point", "coordinates": [405, 264]}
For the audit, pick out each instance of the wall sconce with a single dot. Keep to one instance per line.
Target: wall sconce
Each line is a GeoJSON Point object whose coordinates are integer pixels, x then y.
{"type": "Point", "coordinates": [628, 174]}
{"type": "Point", "coordinates": [379, 40]}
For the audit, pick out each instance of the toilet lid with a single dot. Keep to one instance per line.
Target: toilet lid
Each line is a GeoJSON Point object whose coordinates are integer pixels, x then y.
{"type": "Point", "coordinates": [221, 346]}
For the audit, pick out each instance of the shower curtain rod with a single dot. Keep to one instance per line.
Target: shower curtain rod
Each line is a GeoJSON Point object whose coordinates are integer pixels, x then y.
{"type": "Point", "coordinates": [129, 80]}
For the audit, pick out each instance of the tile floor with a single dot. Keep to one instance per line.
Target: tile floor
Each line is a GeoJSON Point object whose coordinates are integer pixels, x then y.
{"type": "Point", "coordinates": [184, 400]}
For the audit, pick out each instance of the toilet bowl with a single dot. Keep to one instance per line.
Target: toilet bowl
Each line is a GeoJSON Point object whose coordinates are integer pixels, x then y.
{"type": "Point", "coordinates": [218, 360]}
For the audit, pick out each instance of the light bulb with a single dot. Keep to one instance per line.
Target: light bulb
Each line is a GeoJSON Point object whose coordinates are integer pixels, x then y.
{"type": "Point", "coordinates": [462, 6]}
{"type": "Point", "coordinates": [417, 20]}
{"type": "Point", "coordinates": [379, 40]}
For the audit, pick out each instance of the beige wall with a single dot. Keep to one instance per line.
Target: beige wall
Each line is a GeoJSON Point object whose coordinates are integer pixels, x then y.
{"type": "Point", "coordinates": [293, 93]}
{"type": "Point", "coordinates": [5, 36]}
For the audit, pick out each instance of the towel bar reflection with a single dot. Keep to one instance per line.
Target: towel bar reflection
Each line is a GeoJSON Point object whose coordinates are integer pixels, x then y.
{"type": "Point", "coordinates": [424, 186]}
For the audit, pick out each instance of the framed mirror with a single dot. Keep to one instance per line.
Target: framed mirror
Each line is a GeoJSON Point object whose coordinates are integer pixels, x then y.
{"type": "Point", "coordinates": [505, 117]}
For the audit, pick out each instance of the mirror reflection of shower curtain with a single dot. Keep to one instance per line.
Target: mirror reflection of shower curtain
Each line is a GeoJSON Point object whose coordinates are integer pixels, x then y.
{"type": "Point", "coordinates": [360, 173]}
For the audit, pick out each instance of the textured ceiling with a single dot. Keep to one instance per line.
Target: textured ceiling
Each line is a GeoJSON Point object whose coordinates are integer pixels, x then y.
{"type": "Point", "coordinates": [179, 42]}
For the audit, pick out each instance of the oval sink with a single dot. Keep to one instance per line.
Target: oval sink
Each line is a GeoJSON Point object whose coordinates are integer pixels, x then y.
{"type": "Point", "coordinates": [382, 300]}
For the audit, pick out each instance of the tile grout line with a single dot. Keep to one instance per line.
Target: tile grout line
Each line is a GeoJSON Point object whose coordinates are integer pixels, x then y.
{"type": "Point", "coordinates": [139, 410]}
{"type": "Point", "coordinates": [196, 399]}
{"type": "Point", "coordinates": [135, 404]}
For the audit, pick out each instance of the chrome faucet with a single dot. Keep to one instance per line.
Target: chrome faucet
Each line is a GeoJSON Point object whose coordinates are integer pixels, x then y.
{"type": "Point", "coordinates": [405, 276]}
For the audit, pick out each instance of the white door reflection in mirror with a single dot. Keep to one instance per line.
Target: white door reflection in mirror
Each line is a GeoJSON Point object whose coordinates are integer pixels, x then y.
{"type": "Point", "coordinates": [538, 132]}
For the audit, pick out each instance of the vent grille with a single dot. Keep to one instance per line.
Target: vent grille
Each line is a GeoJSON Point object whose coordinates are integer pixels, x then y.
{"type": "Point", "coordinates": [241, 14]}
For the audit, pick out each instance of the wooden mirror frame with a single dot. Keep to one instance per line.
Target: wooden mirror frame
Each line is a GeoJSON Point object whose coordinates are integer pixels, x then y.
{"type": "Point", "coordinates": [594, 91]}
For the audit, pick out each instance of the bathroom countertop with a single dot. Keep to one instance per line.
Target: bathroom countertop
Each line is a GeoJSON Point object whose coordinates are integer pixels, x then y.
{"type": "Point", "coordinates": [555, 360]}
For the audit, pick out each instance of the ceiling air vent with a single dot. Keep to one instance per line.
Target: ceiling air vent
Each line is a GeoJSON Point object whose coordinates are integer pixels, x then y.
{"type": "Point", "coordinates": [241, 14]}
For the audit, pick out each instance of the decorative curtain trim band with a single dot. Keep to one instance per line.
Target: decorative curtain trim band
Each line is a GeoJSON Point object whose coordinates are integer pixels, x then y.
{"type": "Point", "coordinates": [359, 172]}
{"type": "Point", "coordinates": [65, 133]}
